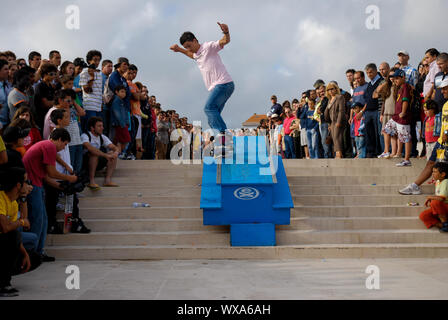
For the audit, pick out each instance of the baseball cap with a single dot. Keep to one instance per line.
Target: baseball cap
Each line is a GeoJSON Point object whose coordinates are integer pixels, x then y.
{"type": "Point", "coordinates": [79, 62]}
{"type": "Point", "coordinates": [120, 61]}
{"type": "Point", "coordinates": [12, 134]}
{"type": "Point", "coordinates": [398, 74]}
{"type": "Point", "coordinates": [403, 52]}
{"type": "Point", "coordinates": [357, 104]}
{"type": "Point", "coordinates": [442, 84]}
{"type": "Point", "coordinates": [274, 116]}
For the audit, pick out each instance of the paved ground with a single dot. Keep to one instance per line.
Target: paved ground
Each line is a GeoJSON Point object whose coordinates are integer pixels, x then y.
{"type": "Point", "coordinates": [216, 279]}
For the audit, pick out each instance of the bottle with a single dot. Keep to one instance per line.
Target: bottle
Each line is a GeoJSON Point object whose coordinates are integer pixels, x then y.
{"type": "Point", "coordinates": [140, 205]}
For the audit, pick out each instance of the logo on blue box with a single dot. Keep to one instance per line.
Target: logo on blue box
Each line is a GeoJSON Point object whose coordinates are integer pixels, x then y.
{"type": "Point", "coordinates": [246, 193]}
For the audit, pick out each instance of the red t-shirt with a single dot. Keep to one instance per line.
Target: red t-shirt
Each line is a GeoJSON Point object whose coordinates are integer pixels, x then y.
{"type": "Point", "coordinates": [287, 124]}
{"type": "Point", "coordinates": [429, 130]}
{"type": "Point", "coordinates": [33, 137]}
{"type": "Point", "coordinates": [404, 94]}
{"type": "Point", "coordinates": [36, 158]}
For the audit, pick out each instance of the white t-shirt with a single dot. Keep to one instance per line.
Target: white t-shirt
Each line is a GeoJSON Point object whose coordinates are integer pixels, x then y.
{"type": "Point", "coordinates": [65, 156]}
{"type": "Point", "coordinates": [209, 62]}
{"type": "Point", "coordinates": [95, 140]}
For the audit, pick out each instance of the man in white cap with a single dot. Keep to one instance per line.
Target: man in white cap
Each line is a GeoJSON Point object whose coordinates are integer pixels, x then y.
{"type": "Point", "coordinates": [442, 143]}
{"type": "Point", "coordinates": [411, 72]}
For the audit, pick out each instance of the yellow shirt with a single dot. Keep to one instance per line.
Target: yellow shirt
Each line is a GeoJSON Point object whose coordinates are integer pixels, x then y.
{"type": "Point", "coordinates": [2, 145]}
{"type": "Point", "coordinates": [444, 121]}
{"type": "Point", "coordinates": [8, 208]}
{"type": "Point", "coordinates": [442, 189]}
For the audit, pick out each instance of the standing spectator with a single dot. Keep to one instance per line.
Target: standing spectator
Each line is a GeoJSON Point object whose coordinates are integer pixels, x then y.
{"type": "Point", "coordinates": [323, 124]}
{"type": "Point", "coordinates": [21, 63]}
{"type": "Point", "coordinates": [10, 56]}
{"type": "Point", "coordinates": [146, 124]}
{"type": "Point", "coordinates": [437, 96]}
{"type": "Point", "coordinates": [106, 70]}
{"type": "Point", "coordinates": [410, 71]}
{"type": "Point", "coordinates": [431, 60]}
{"type": "Point", "coordinates": [34, 60]}
{"type": "Point", "coordinates": [289, 143]}
{"type": "Point", "coordinates": [386, 91]}
{"type": "Point", "coordinates": [371, 113]}
{"type": "Point", "coordinates": [55, 58]}
{"type": "Point", "coordinates": [162, 138]}
{"type": "Point", "coordinates": [45, 93]}
{"type": "Point", "coordinates": [336, 116]}
{"type": "Point", "coordinates": [22, 83]}
{"type": "Point", "coordinates": [275, 108]}
{"type": "Point", "coordinates": [100, 152]}
{"type": "Point", "coordinates": [80, 65]}
{"type": "Point", "coordinates": [4, 111]}
{"type": "Point", "coordinates": [91, 83]}
{"type": "Point", "coordinates": [40, 161]}
{"type": "Point", "coordinates": [120, 119]}
{"type": "Point", "coordinates": [301, 114]}
{"type": "Point", "coordinates": [350, 75]}
{"type": "Point", "coordinates": [358, 129]}
{"type": "Point", "coordinates": [15, 259]}
{"type": "Point", "coordinates": [399, 125]}
{"type": "Point", "coordinates": [359, 91]}
{"type": "Point", "coordinates": [312, 128]}
{"type": "Point", "coordinates": [67, 68]}
{"type": "Point", "coordinates": [428, 126]}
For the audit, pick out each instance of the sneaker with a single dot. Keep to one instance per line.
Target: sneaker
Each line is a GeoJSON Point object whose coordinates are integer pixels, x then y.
{"type": "Point", "coordinates": [122, 156]}
{"type": "Point", "coordinates": [8, 291]}
{"type": "Point", "coordinates": [411, 189]}
{"type": "Point", "coordinates": [79, 227]}
{"type": "Point", "coordinates": [55, 229]}
{"type": "Point", "coordinates": [404, 163]}
{"type": "Point", "coordinates": [131, 157]}
{"type": "Point", "coordinates": [444, 227]}
{"type": "Point", "coordinates": [384, 155]}
{"type": "Point", "coordinates": [45, 258]}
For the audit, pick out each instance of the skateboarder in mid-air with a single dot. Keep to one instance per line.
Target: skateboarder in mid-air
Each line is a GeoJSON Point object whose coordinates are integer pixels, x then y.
{"type": "Point", "coordinates": [216, 78]}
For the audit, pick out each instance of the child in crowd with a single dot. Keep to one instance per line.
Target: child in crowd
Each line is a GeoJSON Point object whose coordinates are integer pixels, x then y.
{"type": "Point", "coordinates": [436, 215]}
{"type": "Point", "coordinates": [24, 113]}
{"type": "Point", "coordinates": [358, 131]}
{"type": "Point", "coordinates": [277, 134]}
{"type": "Point", "coordinates": [120, 119]}
{"type": "Point", "coordinates": [431, 139]}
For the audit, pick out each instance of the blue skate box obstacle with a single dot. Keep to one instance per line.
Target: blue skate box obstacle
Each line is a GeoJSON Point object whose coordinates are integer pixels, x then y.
{"type": "Point", "coordinates": [248, 191]}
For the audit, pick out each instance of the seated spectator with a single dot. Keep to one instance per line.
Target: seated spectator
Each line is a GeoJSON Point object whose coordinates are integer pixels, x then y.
{"type": "Point", "coordinates": [15, 258]}
{"type": "Point", "coordinates": [99, 153]}
{"type": "Point", "coordinates": [24, 113]}
{"type": "Point", "coordinates": [40, 162]}
{"type": "Point", "coordinates": [436, 215]}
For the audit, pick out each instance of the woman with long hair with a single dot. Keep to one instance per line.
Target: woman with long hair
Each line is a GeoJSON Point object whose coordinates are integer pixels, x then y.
{"type": "Point", "coordinates": [335, 114]}
{"type": "Point", "coordinates": [386, 92]}
{"type": "Point", "coordinates": [24, 113]}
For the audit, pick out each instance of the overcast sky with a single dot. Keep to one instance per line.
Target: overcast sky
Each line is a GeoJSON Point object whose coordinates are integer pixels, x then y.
{"type": "Point", "coordinates": [277, 47]}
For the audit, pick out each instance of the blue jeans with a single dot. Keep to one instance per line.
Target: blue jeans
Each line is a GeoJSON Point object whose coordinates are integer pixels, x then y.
{"type": "Point", "coordinates": [289, 147]}
{"type": "Point", "coordinates": [373, 132]}
{"type": "Point", "coordinates": [215, 104]}
{"type": "Point", "coordinates": [361, 146]}
{"type": "Point", "coordinates": [30, 241]}
{"type": "Point", "coordinates": [324, 134]}
{"type": "Point", "coordinates": [76, 157]}
{"type": "Point", "coordinates": [313, 146]}
{"type": "Point", "coordinates": [38, 216]}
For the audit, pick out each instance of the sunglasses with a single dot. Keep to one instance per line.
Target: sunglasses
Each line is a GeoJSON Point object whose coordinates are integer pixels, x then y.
{"type": "Point", "coordinates": [28, 182]}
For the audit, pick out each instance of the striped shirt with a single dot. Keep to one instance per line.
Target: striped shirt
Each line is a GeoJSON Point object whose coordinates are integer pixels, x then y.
{"type": "Point", "coordinates": [411, 75]}
{"type": "Point", "coordinates": [94, 100]}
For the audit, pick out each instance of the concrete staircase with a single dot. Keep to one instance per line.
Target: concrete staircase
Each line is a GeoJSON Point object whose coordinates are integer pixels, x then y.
{"type": "Point", "coordinates": [343, 209]}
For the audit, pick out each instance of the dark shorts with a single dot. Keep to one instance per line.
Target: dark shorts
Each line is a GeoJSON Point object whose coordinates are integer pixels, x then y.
{"type": "Point", "coordinates": [433, 157]}
{"type": "Point", "coordinates": [122, 135]}
{"type": "Point", "coordinates": [102, 163]}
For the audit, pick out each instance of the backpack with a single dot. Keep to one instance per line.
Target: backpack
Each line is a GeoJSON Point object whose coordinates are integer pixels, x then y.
{"type": "Point", "coordinates": [101, 142]}
{"type": "Point", "coordinates": [108, 94]}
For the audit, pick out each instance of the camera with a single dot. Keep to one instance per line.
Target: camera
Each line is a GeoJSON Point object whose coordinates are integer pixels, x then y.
{"type": "Point", "coordinates": [76, 187]}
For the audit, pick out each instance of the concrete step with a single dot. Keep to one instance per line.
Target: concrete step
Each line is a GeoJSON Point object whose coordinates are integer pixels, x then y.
{"type": "Point", "coordinates": [153, 181]}
{"type": "Point", "coordinates": [353, 180]}
{"type": "Point", "coordinates": [392, 171]}
{"type": "Point", "coordinates": [349, 163]}
{"type": "Point", "coordinates": [320, 251]}
{"type": "Point", "coordinates": [299, 211]}
{"type": "Point", "coordinates": [140, 238]}
{"type": "Point", "coordinates": [301, 223]}
{"type": "Point", "coordinates": [295, 237]}
{"type": "Point", "coordinates": [374, 189]}
{"type": "Point", "coordinates": [355, 200]}
{"type": "Point", "coordinates": [173, 191]}
{"type": "Point", "coordinates": [127, 201]}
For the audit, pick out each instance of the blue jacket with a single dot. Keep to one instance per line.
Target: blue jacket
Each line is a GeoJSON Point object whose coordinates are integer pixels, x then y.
{"type": "Point", "coordinates": [308, 121]}
{"type": "Point", "coordinates": [301, 114]}
{"type": "Point", "coordinates": [118, 113]}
